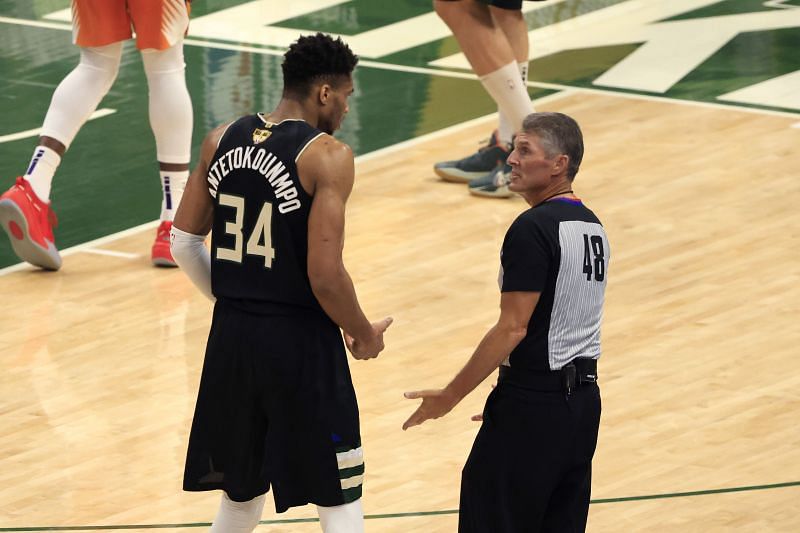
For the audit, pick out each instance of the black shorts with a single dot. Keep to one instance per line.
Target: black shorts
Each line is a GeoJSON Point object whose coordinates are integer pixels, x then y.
{"type": "Point", "coordinates": [276, 407]}
{"type": "Point", "coordinates": [507, 4]}
{"type": "Point", "coordinates": [530, 467]}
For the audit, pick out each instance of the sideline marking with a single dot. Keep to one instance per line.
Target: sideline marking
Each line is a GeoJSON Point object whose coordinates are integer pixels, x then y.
{"type": "Point", "coordinates": [404, 515]}
{"type": "Point", "coordinates": [112, 253]}
{"type": "Point", "coordinates": [34, 132]}
{"type": "Point", "coordinates": [81, 247]}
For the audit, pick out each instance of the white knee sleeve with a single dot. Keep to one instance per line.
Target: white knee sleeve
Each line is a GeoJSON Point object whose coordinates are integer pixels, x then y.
{"type": "Point", "coordinates": [78, 95]}
{"type": "Point", "coordinates": [347, 518]}
{"type": "Point", "coordinates": [238, 517]}
{"type": "Point", "coordinates": [170, 105]}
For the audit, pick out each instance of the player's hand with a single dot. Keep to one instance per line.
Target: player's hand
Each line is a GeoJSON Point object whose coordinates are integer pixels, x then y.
{"type": "Point", "coordinates": [371, 347]}
{"type": "Point", "coordinates": [435, 404]}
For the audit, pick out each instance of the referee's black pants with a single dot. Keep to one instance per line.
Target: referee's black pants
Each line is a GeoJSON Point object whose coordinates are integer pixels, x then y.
{"type": "Point", "coordinates": [530, 467]}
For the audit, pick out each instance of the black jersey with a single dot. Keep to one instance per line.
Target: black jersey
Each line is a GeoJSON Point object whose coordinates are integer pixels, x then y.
{"type": "Point", "coordinates": [259, 243]}
{"type": "Point", "coordinates": [558, 248]}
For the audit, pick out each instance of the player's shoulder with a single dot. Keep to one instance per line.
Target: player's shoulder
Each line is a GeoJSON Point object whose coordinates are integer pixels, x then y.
{"type": "Point", "coordinates": [327, 151]}
{"type": "Point", "coordinates": [331, 147]}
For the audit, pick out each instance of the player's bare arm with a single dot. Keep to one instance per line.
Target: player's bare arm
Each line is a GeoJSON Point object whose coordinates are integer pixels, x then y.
{"type": "Point", "coordinates": [327, 170]}
{"type": "Point", "coordinates": [516, 309]}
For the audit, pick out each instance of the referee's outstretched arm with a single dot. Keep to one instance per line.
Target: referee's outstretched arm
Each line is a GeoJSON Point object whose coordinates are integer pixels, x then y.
{"type": "Point", "coordinates": [516, 309]}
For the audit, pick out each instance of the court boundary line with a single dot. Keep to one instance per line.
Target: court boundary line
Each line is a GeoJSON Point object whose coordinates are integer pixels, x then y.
{"type": "Point", "coordinates": [645, 497]}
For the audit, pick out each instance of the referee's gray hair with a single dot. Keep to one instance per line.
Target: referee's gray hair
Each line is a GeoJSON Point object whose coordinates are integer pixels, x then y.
{"type": "Point", "coordinates": [559, 134]}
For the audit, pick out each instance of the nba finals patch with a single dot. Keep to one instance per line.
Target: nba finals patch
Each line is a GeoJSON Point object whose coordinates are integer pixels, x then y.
{"type": "Point", "coordinates": [259, 135]}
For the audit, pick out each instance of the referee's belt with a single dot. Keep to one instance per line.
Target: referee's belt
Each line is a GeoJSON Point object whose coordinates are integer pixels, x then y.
{"type": "Point", "coordinates": [577, 373]}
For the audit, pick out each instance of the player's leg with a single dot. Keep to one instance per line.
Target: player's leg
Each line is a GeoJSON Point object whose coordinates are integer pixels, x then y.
{"type": "Point", "coordinates": [512, 23]}
{"type": "Point", "coordinates": [313, 451]}
{"type": "Point", "coordinates": [160, 28]}
{"type": "Point", "coordinates": [226, 441]}
{"type": "Point", "coordinates": [25, 212]}
{"type": "Point", "coordinates": [493, 59]}
{"type": "Point", "coordinates": [347, 518]}
{"type": "Point", "coordinates": [170, 111]}
{"type": "Point", "coordinates": [238, 517]}
{"type": "Point", "coordinates": [507, 15]}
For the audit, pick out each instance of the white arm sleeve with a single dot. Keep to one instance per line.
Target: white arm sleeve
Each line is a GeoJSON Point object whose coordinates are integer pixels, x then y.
{"type": "Point", "coordinates": [191, 254]}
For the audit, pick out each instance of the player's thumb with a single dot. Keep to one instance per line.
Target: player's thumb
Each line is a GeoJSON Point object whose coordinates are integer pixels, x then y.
{"type": "Point", "coordinates": [385, 323]}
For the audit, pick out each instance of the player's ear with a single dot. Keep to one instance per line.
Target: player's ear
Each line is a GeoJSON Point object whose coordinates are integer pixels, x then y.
{"type": "Point", "coordinates": [324, 93]}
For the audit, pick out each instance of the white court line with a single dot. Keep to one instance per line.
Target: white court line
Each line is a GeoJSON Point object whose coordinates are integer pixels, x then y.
{"type": "Point", "coordinates": [112, 253]}
{"type": "Point", "coordinates": [36, 23]}
{"type": "Point", "coordinates": [72, 250]}
{"type": "Point", "coordinates": [35, 131]}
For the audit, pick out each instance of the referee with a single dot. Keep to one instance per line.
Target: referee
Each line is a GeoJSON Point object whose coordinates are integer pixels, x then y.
{"type": "Point", "coordinates": [530, 466]}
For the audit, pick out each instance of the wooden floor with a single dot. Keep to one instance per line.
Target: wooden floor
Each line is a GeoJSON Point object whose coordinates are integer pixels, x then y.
{"type": "Point", "coordinates": [700, 373]}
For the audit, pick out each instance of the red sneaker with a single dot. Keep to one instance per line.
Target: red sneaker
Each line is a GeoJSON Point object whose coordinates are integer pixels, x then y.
{"type": "Point", "coordinates": [160, 254]}
{"type": "Point", "coordinates": [29, 223]}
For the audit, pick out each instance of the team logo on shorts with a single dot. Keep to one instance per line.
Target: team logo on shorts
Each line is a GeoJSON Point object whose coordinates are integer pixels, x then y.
{"type": "Point", "coordinates": [259, 135]}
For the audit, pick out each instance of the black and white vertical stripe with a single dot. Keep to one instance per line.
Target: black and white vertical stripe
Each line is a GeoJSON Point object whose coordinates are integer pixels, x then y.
{"type": "Point", "coordinates": [578, 302]}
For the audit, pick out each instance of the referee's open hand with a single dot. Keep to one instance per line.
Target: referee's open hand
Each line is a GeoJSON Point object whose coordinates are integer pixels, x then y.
{"type": "Point", "coordinates": [435, 403]}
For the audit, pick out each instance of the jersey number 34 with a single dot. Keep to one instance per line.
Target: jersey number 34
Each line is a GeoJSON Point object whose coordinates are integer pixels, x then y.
{"type": "Point", "coordinates": [260, 240]}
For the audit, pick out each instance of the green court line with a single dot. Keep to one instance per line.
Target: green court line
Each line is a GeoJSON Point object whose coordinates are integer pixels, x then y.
{"type": "Point", "coordinates": [697, 493]}
{"type": "Point", "coordinates": [408, 515]}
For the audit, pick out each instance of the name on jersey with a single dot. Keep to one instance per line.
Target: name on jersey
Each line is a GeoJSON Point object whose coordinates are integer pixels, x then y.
{"type": "Point", "coordinates": [263, 162]}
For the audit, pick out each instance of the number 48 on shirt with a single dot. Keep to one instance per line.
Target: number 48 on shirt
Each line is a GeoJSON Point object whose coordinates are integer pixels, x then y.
{"type": "Point", "coordinates": [593, 257]}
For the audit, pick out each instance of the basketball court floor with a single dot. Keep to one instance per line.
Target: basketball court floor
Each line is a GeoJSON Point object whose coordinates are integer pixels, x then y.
{"type": "Point", "coordinates": [691, 118]}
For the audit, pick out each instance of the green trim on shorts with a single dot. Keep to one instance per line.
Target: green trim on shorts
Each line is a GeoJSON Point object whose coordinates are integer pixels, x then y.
{"type": "Point", "coordinates": [351, 495]}
{"type": "Point", "coordinates": [345, 473]}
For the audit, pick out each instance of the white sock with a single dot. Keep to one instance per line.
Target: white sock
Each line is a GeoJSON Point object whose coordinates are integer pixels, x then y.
{"type": "Point", "coordinates": [173, 183]}
{"type": "Point", "coordinates": [41, 169]}
{"type": "Point", "coordinates": [505, 131]}
{"type": "Point", "coordinates": [347, 518]}
{"type": "Point", "coordinates": [238, 517]}
{"type": "Point", "coordinates": [511, 96]}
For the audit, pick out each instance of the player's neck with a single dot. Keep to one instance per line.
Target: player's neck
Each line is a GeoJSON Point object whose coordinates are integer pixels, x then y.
{"type": "Point", "coordinates": [288, 109]}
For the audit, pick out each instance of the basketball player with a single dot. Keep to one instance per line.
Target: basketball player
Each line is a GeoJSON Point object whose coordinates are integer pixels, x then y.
{"type": "Point", "coordinates": [530, 466]}
{"type": "Point", "coordinates": [276, 406]}
{"type": "Point", "coordinates": [99, 28]}
{"type": "Point", "coordinates": [493, 36]}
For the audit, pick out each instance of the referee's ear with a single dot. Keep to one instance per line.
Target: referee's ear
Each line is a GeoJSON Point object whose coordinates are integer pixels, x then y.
{"type": "Point", "coordinates": [561, 164]}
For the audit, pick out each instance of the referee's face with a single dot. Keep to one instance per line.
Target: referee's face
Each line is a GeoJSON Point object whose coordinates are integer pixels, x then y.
{"type": "Point", "coordinates": [531, 169]}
